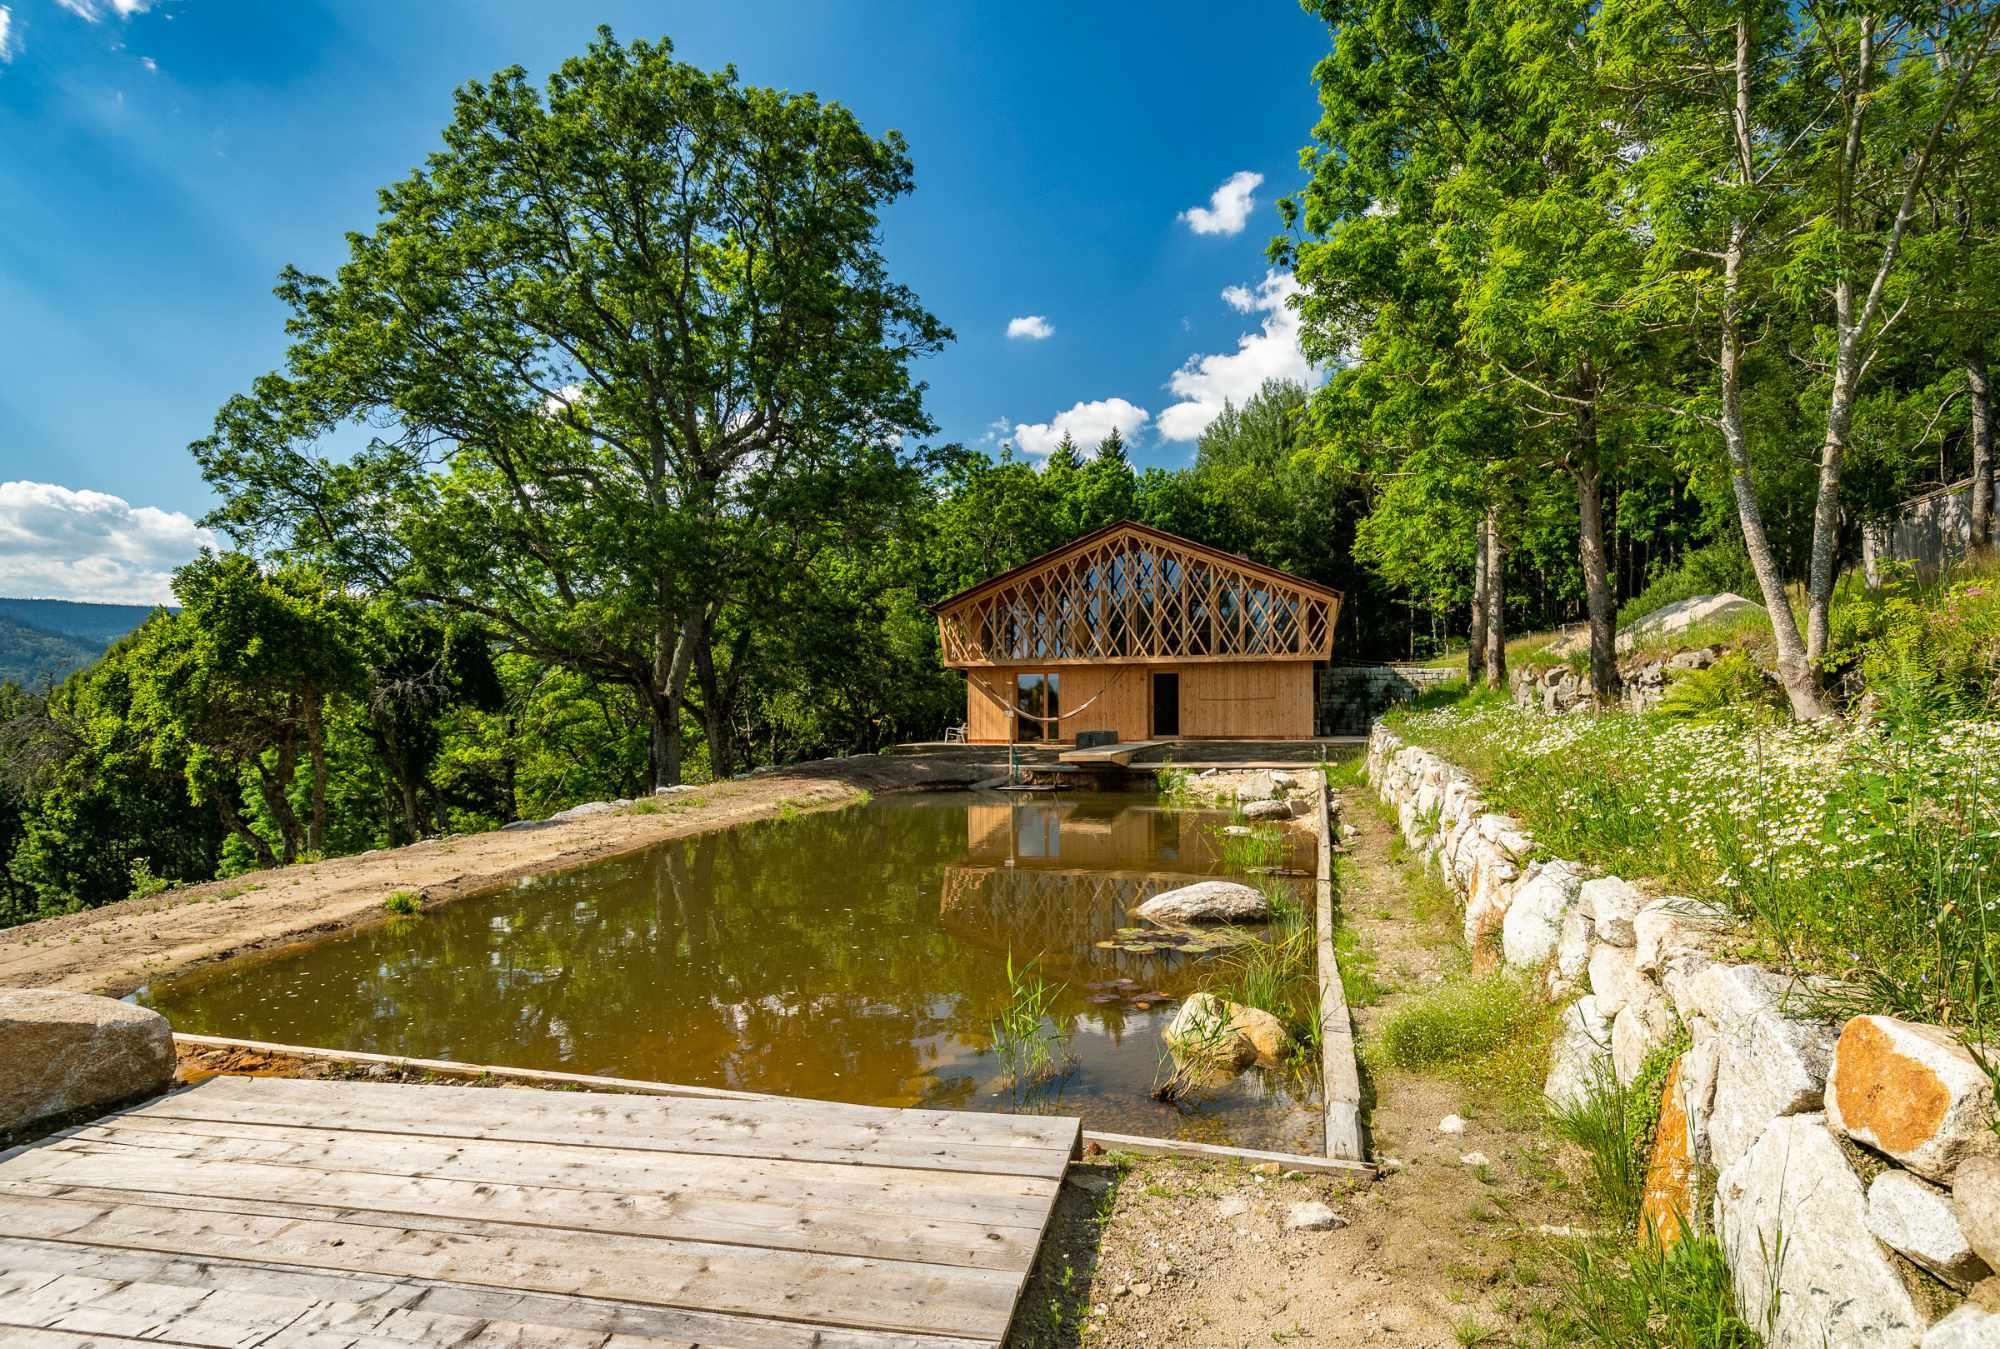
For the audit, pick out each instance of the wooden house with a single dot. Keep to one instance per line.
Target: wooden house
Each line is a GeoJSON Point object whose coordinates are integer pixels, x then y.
{"type": "Point", "coordinates": [1143, 633]}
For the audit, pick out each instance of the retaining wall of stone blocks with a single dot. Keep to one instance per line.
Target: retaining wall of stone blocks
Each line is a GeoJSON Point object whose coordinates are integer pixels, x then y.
{"type": "Point", "coordinates": [1850, 1169]}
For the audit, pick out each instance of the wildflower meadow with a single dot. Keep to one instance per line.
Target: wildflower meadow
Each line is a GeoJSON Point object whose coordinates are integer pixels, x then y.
{"type": "Point", "coordinates": [1854, 851]}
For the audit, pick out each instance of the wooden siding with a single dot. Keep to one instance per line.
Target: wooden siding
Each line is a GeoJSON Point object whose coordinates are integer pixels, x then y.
{"type": "Point", "coordinates": [1260, 701]}
{"type": "Point", "coordinates": [1238, 700]}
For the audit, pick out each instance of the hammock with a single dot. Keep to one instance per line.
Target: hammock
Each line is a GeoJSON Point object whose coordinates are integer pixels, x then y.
{"type": "Point", "coordinates": [1013, 711]}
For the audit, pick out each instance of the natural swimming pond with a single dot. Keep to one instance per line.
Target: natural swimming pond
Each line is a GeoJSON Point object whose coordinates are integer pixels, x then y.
{"type": "Point", "coordinates": [856, 955]}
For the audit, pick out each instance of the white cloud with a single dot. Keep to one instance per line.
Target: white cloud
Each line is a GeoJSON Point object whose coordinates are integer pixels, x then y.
{"type": "Point", "coordinates": [57, 543]}
{"type": "Point", "coordinates": [1086, 423]}
{"type": "Point", "coordinates": [150, 66]}
{"type": "Point", "coordinates": [90, 11]}
{"type": "Point", "coordinates": [1228, 209]}
{"type": "Point", "coordinates": [1205, 383]}
{"type": "Point", "coordinates": [1031, 326]}
{"type": "Point", "coordinates": [6, 34]}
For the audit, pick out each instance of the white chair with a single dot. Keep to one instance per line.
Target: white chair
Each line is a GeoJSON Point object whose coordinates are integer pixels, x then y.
{"type": "Point", "coordinates": [955, 735]}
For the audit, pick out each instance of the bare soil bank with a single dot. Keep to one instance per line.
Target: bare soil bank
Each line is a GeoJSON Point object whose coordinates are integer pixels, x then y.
{"type": "Point", "coordinates": [120, 947]}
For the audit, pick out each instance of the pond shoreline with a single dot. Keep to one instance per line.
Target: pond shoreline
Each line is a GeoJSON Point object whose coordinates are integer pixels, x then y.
{"type": "Point", "coordinates": [119, 948]}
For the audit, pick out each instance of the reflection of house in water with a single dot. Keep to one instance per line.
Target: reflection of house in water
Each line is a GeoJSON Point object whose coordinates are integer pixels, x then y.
{"type": "Point", "coordinates": [1057, 877]}
{"type": "Point", "coordinates": [1087, 833]}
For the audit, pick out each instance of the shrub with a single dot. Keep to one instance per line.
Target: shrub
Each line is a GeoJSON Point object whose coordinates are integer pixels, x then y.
{"type": "Point", "coordinates": [1735, 686]}
{"type": "Point", "coordinates": [404, 903]}
{"type": "Point", "coordinates": [145, 884]}
{"type": "Point", "coordinates": [1490, 1029]}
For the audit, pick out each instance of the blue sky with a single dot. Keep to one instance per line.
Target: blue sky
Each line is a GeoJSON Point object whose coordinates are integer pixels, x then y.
{"type": "Point", "coordinates": [1106, 172]}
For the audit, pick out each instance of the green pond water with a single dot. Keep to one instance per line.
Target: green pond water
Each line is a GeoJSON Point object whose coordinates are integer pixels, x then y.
{"type": "Point", "coordinates": [856, 955]}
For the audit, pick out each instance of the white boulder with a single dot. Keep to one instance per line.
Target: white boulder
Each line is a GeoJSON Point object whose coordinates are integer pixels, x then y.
{"type": "Point", "coordinates": [1969, 1326]}
{"type": "Point", "coordinates": [1770, 1064]}
{"type": "Point", "coordinates": [1533, 926]}
{"type": "Point", "coordinates": [1207, 902]}
{"type": "Point", "coordinates": [1613, 905]}
{"type": "Point", "coordinates": [67, 1053]}
{"type": "Point", "coordinates": [1641, 1026]}
{"type": "Point", "coordinates": [1678, 617]}
{"type": "Point", "coordinates": [1920, 1221]}
{"type": "Point", "coordinates": [1580, 1064]}
{"type": "Point", "coordinates": [1226, 1033]}
{"type": "Point", "coordinates": [1794, 1224]}
{"type": "Point", "coordinates": [1614, 980]}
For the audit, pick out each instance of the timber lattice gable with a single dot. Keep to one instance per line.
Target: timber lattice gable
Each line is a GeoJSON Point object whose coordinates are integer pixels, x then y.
{"type": "Point", "coordinates": [1132, 595]}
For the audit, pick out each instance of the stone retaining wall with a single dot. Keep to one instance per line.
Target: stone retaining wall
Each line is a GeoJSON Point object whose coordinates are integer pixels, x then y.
{"type": "Point", "coordinates": [1851, 1170]}
{"type": "Point", "coordinates": [1350, 697]}
{"type": "Point", "coordinates": [1558, 689]}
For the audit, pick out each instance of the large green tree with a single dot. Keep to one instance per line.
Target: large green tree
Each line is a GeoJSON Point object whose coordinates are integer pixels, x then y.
{"type": "Point", "coordinates": [618, 341]}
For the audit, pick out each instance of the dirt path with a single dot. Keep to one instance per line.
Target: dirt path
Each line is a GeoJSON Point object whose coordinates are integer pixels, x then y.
{"type": "Point", "coordinates": [1436, 1251]}
{"type": "Point", "coordinates": [119, 947]}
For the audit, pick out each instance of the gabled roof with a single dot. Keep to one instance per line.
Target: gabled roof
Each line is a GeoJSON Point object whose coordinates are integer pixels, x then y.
{"type": "Point", "coordinates": [1084, 541]}
{"type": "Point", "coordinates": [1132, 594]}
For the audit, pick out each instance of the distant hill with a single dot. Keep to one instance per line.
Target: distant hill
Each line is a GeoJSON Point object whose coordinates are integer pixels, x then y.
{"type": "Point", "coordinates": [44, 641]}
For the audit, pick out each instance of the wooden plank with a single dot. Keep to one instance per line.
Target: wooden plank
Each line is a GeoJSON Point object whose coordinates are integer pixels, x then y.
{"type": "Point", "coordinates": [802, 1130]}
{"type": "Point", "coordinates": [1215, 1152]}
{"type": "Point", "coordinates": [801, 1221]}
{"type": "Point", "coordinates": [1003, 1200]}
{"type": "Point", "coordinates": [452, 1068]}
{"type": "Point", "coordinates": [1340, 1074]}
{"type": "Point", "coordinates": [1115, 754]}
{"type": "Point", "coordinates": [821, 1289]}
{"type": "Point", "coordinates": [624, 1321]}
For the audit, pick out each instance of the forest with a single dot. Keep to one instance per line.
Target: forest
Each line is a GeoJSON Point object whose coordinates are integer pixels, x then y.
{"type": "Point", "coordinates": [603, 462]}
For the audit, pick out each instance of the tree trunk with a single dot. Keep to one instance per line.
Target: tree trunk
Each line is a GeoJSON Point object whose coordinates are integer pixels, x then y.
{"type": "Point", "coordinates": [1794, 672]}
{"type": "Point", "coordinates": [1475, 646]}
{"type": "Point", "coordinates": [1981, 388]}
{"type": "Point", "coordinates": [1496, 602]}
{"type": "Point", "coordinates": [673, 651]}
{"type": "Point", "coordinates": [1596, 584]}
{"type": "Point", "coordinates": [1826, 505]}
{"type": "Point", "coordinates": [315, 710]}
{"type": "Point", "coordinates": [275, 786]}
{"type": "Point", "coordinates": [233, 819]}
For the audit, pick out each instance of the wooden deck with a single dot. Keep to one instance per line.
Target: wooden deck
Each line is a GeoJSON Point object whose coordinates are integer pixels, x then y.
{"type": "Point", "coordinates": [285, 1212]}
{"type": "Point", "coordinates": [1120, 754]}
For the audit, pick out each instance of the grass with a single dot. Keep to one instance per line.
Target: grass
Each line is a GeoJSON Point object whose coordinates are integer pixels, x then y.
{"type": "Point", "coordinates": [1490, 1029]}
{"type": "Point", "coordinates": [1260, 850]}
{"type": "Point", "coordinates": [1280, 974]}
{"type": "Point", "coordinates": [1031, 1045]}
{"type": "Point", "coordinates": [1619, 1291]}
{"type": "Point", "coordinates": [404, 903]}
{"type": "Point", "coordinates": [1648, 1296]}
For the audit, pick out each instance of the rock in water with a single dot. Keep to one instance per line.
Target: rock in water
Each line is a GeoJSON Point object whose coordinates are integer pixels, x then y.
{"type": "Point", "coordinates": [1209, 1027]}
{"type": "Point", "coordinates": [1207, 902]}
{"type": "Point", "coordinates": [70, 1052]}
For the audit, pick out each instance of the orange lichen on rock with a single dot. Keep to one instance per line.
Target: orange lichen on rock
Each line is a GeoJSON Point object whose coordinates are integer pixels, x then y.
{"type": "Point", "coordinates": [1669, 1197]}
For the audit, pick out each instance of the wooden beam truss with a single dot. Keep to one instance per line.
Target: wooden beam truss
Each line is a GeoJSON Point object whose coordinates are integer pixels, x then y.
{"type": "Point", "coordinates": [1135, 596]}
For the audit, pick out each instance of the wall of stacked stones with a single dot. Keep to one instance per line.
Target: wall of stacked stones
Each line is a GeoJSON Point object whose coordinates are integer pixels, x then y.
{"type": "Point", "coordinates": [1850, 1169]}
